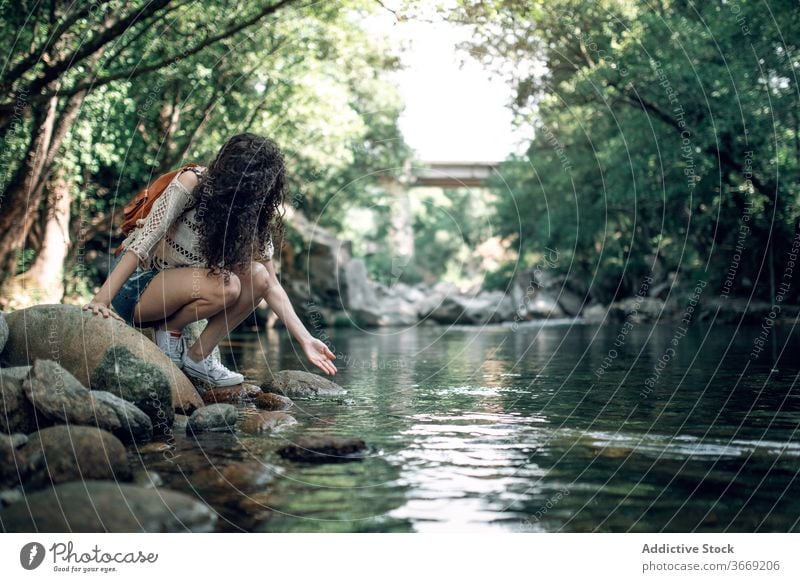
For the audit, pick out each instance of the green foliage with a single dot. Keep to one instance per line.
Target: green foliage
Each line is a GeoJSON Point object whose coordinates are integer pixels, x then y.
{"type": "Point", "coordinates": [661, 128]}
{"type": "Point", "coordinates": [172, 87]}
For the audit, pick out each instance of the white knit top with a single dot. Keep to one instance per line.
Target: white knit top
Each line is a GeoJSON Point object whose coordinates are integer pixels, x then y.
{"type": "Point", "coordinates": [169, 235]}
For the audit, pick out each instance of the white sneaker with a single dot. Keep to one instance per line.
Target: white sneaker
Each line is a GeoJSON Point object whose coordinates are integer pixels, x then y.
{"type": "Point", "coordinates": [172, 344]}
{"type": "Point", "coordinates": [210, 371]}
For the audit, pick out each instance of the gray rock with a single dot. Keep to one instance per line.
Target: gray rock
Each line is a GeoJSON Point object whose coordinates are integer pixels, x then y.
{"type": "Point", "coordinates": [214, 417]}
{"type": "Point", "coordinates": [58, 396]}
{"type": "Point", "coordinates": [263, 421]}
{"type": "Point", "coordinates": [542, 305]}
{"type": "Point", "coordinates": [636, 310]}
{"type": "Point", "coordinates": [136, 426]}
{"type": "Point", "coordinates": [298, 384]}
{"type": "Point", "coordinates": [485, 307]}
{"type": "Point", "coordinates": [3, 331]}
{"type": "Point", "coordinates": [78, 340]}
{"type": "Point", "coordinates": [17, 414]}
{"type": "Point", "coordinates": [17, 439]}
{"type": "Point", "coordinates": [10, 496]}
{"type": "Point", "coordinates": [144, 385]}
{"type": "Point", "coordinates": [147, 479]}
{"type": "Point", "coordinates": [324, 449]}
{"type": "Point", "coordinates": [103, 506]}
{"type": "Point", "coordinates": [594, 313]}
{"type": "Point", "coordinates": [14, 465]}
{"type": "Point", "coordinates": [180, 422]}
{"type": "Point", "coordinates": [65, 453]}
{"type": "Point", "coordinates": [570, 302]}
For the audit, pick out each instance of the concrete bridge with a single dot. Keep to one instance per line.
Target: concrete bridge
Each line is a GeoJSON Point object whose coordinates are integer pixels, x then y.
{"type": "Point", "coordinates": [452, 174]}
{"type": "Point", "coordinates": [427, 174]}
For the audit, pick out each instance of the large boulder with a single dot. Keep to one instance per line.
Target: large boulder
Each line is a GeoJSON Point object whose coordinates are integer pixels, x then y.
{"type": "Point", "coordinates": [486, 307]}
{"type": "Point", "coordinates": [105, 506]}
{"type": "Point", "coordinates": [74, 453]}
{"type": "Point", "coordinates": [17, 414]}
{"type": "Point", "coordinates": [360, 299]}
{"type": "Point", "coordinates": [124, 374]}
{"type": "Point", "coordinates": [78, 340]}
{"type": "Point", "coordinates": [299, 384]}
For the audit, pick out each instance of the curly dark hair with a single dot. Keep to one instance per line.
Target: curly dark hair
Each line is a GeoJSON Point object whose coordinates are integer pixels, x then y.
{"type": "Point", "coordinates": [240, 202]}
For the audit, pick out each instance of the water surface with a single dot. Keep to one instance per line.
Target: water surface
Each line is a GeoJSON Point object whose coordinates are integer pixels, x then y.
{"type": "Point", "coordinates": [558, 427]}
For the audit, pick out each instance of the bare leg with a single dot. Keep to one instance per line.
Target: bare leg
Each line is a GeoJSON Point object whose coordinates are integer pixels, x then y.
{"type": "Point", "coordinates": [179, 296]}
{"type": "Point", "coordinates": [253, 287]}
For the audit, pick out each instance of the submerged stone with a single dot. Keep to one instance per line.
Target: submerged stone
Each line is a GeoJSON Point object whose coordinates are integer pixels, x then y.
{"type": "Point", "coordinates": [324, 449]}
{"type": "Point", "coordinates": [262, 421]}
{"type": "Point", "coordinates": [268, 401]}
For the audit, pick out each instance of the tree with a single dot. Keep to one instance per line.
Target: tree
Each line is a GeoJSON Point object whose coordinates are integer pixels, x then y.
{"type": "Point", "coordinates": [662, 128]}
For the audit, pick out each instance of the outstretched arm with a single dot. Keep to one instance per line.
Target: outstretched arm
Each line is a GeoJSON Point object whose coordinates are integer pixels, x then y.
{"type": "Point", "coordinates": [100, 304]}
{"type": "Point", "coordinates": [315, 350]}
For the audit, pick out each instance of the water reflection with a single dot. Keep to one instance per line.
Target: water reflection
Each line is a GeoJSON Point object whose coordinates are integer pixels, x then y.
{"type": "Point", "coordinates": [542, 428]}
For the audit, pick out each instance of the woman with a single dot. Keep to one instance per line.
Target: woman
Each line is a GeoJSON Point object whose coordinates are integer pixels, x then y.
{"type": "Point", "coordinates": [204, 252]}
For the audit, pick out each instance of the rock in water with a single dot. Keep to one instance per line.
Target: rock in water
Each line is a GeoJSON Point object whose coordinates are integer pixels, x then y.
{"type": "Point", "coordinates": [58, 396]}
{"type": "Point", "coordinates": [78, 340]}
{"type": "Point", "coordinates": [73, 453]}
{"type": "Point", "coordinates": [214, 417]}
{"type": "Point", "coordinates": [261, 421]}
{"type": "Point", "coordinates": [232, 394]}
{"type": "Point", "coordinates": [234, 478]}
{"type": "Point", "coordinates": [17, 414]}
{"type": "Point", "coordinates": [125, 375]}
{"type": "Point", "coordinates": [268, 401]}
{"type": "Point", "coordinates": [104, 506]}
{"type": "Point", "coordinates": [299, 384]}
{"type": "Point", "coordinates": [135, 425]}
{"type": "Point", "coordinates": [324, 449]}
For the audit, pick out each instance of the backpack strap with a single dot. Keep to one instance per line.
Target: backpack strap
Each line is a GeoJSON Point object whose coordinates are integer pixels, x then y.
{"type": "Point", "coordinates": [198, 170]}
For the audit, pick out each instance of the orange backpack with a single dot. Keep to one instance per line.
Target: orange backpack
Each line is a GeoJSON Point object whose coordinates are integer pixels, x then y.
{"type": "Point", "coordinates": [141, 204]}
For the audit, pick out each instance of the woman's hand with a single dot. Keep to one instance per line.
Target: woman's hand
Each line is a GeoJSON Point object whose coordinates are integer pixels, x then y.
{"type": "Point", "coordinates": [101, 309]}
{"type": "Point", "coordinates": [318, 354]}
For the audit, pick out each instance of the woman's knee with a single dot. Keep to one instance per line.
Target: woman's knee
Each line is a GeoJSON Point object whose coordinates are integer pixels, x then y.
{"type": "Point", "coordinates": [254, 278]}
{"type": "Point", "coordinates": [225, 292]}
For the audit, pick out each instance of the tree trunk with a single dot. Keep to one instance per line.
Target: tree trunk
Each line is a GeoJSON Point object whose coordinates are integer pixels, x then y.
{"type": "Point", "coordinates": [44, 281]}
{"type": "Point", "coordinates": [23, 197]}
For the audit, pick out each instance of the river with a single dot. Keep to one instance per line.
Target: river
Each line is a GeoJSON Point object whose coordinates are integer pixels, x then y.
{"type": "Point", "coordinates": [552, 427]}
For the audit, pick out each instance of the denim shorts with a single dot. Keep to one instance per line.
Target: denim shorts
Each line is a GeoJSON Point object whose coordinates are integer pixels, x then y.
{"type": "Point", "coordinates": [126, 299]}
